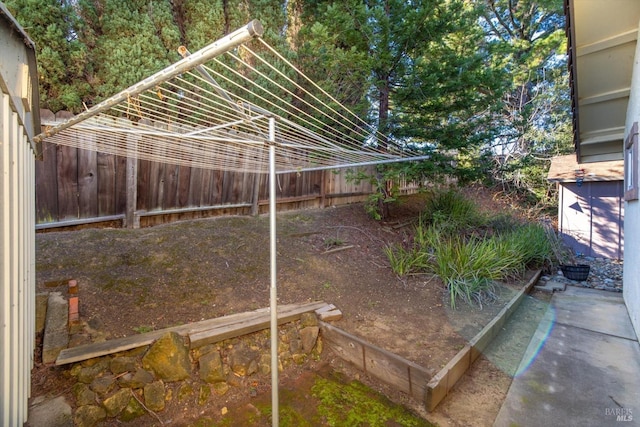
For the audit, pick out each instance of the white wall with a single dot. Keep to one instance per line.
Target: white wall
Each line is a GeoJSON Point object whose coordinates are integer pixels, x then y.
{"type": "Point", "coordinates": [631, 279]}
{"type": "Point", "coordinates": [18, 95]}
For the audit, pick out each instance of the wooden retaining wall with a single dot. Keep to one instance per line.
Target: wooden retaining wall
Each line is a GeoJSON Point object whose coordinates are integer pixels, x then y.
{"type": "Point", "coordinates": [409, 377]}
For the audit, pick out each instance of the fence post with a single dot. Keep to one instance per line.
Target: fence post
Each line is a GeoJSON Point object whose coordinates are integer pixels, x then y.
{"type": "Point", "coordinates": [132, 182]}
{"type": "Point", "coordinates": [255, 197]}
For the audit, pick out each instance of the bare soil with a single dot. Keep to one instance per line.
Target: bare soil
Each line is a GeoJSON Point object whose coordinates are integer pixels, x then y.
{"type": "Point", "coordinates": [131, 281]}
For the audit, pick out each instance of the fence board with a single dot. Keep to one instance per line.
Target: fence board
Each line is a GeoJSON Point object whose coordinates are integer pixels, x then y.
{"type": "Point", "coordinates": [195, 188]}
{"type": "Point", "coordinates": [87, 182]}
{"type": "Point", "coordinates": [184, 182]}
{"type": "Point", "coordinates": [206, 188]}
{"type": "Point", "coordinates": [157, 173]}
{"type": "Point", "coordinates": [47, 185]}
{"type": "Point", "coordinates": [106, 178]}
{"type": "Point", "coordinates": [80, 185]}
{"type": "Point", "coordinates": [67, 167]}
{"type": "Point", "coordinates": [121, 185]}
{"type": "Point", "coordinates": [171, 186]}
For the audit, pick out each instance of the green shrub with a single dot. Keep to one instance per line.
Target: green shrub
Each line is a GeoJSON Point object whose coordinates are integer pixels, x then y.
{"type": "Point", "coordinates": [452, 211]}
{"type": "Point", "coordinates": [449, 241]}
{"type": "Point", "coordinates": [406, 261]}
{"type": "Point", "coordinates": [532, 242]}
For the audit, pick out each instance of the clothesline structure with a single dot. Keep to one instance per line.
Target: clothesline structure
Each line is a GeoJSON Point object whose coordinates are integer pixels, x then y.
{"type": "Point", "coordinates": [235, 105]}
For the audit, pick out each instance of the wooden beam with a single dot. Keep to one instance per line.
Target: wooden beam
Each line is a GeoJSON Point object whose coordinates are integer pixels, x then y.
{"type": "Point", "coordinates": [231, 326]}
{"type": "Point", "coordinates": [256, 323]}
{"type": "Point", "coordinates": [394, 370]}
{"type": "Point", "coordinates": [442, 383]}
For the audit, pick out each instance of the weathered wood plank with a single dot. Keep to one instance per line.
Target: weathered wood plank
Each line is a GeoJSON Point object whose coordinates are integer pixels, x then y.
{"type": "Point", "coordinates": [67, 166]}
{"type": "Point", "coordinates": [132, 181]}
{"type": "Point", "coordinates": [156, 173]}
{"type": "Point", "coordinates": [106, 164]}
{"type": "Point", "coordinates": [262, 321]}
{"type": "Point", "coordinates": [442, 383]}
{"type": "Point", "coordinates": [88, 180]}
{"type": "Point", "coordinates": [121, 185]}
{"type": "Point", "coordinates": [330, 316]}
{"type": "Point", "coordinates": [227, 324]}
{"type": "Point", "coordinates": [88, 351]}
{"type": "Point", "coordinates": [195, 188]}
{"type": "Point", "coordinates": [184, 182]}
{"type": "Point", "coordinates": [394, 370]}
{"type": "Point", "coordinates": [47, 185]}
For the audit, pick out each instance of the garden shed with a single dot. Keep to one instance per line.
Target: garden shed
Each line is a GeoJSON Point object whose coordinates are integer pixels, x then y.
{"type": "Point", "coordinates": [19, 123]}
{"type": "Point", "coordinates": [590, 205]}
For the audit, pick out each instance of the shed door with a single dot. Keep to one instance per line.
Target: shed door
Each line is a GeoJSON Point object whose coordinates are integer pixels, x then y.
{"type": "Point", "coordinates": [590, 218]}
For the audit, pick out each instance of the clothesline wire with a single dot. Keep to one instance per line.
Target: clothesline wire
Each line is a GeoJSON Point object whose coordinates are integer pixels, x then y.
{"type": "Point", "coordinates": [216, 115]}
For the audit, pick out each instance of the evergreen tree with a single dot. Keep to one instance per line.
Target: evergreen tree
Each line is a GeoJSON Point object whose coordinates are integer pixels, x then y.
{"type": "Point", "coordinates": [535, 122]}
{"type": "Point", "coordinates": [447, 104]}
{"type": "Point", "coordinates": [129, 40]}
{"type": "Point", "coordinates": [63, 60]}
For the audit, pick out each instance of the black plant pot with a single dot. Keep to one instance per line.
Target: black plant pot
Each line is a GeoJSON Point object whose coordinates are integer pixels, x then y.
{"type": "Point", "coordinates": [578, 272]}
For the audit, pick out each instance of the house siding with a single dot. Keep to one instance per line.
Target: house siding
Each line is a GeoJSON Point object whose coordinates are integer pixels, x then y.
{"type": "Point", "coordinates": [19, 119]}
{"type": "Point", "coordinates": [631, 278]}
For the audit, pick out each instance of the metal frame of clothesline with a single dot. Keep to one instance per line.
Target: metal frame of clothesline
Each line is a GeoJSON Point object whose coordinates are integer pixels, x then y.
{"type": "Point", "coordinates": [226, 118]}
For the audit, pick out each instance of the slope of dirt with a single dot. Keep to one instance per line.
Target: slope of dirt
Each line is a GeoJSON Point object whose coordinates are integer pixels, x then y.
{"type": "Point", "coordinates": [132, 281]}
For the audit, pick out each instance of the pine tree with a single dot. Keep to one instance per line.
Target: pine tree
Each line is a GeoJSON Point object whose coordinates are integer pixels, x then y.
{"type": "Point", "coordinates": [129, 40]}
{"type": "Point", "coordinates": [62, 58]}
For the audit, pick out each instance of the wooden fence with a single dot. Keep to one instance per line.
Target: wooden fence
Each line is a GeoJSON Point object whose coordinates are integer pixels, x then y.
{"type": "Point", "coordinates": [76, 186]}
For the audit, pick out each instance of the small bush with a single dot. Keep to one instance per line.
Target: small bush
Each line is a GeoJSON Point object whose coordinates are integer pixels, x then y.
{"type": "Point", "coordinates": [406, 261]}
{"type": "Point", "coordinates": [450, 241]}
{"type": "Point", "coordinates": [451, 211]}
{"type": "Point", "coordinates": [532, 242]}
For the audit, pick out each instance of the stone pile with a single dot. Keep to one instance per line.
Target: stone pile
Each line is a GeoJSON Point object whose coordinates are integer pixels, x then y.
{"type": "Point", "coordinates": [128, 385]}
{"type": "Point", "coordinates": [604, 274]}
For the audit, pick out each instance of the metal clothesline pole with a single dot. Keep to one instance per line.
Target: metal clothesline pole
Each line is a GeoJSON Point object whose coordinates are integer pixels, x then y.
{"type": "Point", "coordinates": [274, 288]}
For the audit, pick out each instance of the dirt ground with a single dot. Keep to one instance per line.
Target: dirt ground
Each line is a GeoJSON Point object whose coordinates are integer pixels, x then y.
{"type": "Point", "coordinates": [132, 281]}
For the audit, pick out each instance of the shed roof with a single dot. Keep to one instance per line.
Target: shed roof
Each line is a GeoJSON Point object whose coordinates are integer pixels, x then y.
{"type": "Point", "coordinates": [19, 75]}
{"type": "Point", "coordinates": [567, 169]}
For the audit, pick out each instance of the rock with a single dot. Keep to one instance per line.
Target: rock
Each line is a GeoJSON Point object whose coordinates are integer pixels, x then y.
{"type": "Point", "coordinates": [154, 397]}
{"type": "Point", "coordinates": [234, 380]}
{"type": "Point", "coordinates": [138, 380]}
{"type": "Point", "coordinates": [103, 384]}
{"type": "Point", "coordinates": [168, 358]}
{"type": "Point", "coordinates": [88, 373]}
{"type": "Point", "coordinates": [132, 411]}
{"type": "Point", "coordinates": [211, 367]}
{"type": "Point", "coordinates": [317, 350]}
{"type": "Point", "coordinates": [264, 364]}
{"type": "Point", "coordinates": [295, 346]}
{"type": "Point", "coordinates": [308, 319]}
{"type": "Point", "coordinates": [54, 412]}
{"type": "Point", "coordinates": [201, 351]}
{"type": "Point", "coordinates": [308, 338]}
{"type": "Point", "coordinates": [88, 416]}
{"type": "Point", "coordinates": [116, 403]}
{"type": "Point", "coordinates": [220, 388]}
{"type": "Point", "coordinates": [243, 360]}
{"type": "Point", "coordinates": [119, 365]}
{"type": "Point", "coordinates": [83, 394]}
